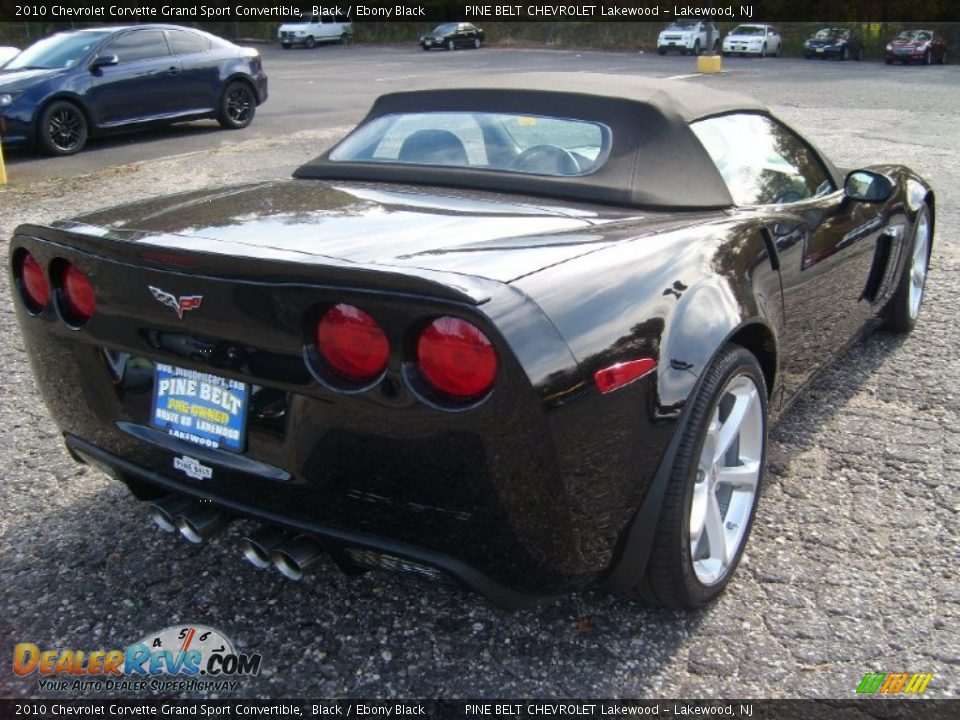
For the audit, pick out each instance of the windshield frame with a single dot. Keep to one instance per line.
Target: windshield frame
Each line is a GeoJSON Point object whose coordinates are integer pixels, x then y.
{"type": "Point", "coordinates": [27, 60]}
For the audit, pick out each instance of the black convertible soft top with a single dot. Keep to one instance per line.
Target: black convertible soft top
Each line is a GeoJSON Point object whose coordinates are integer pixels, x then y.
{"type": "Point", "coordinates": [655, 158]}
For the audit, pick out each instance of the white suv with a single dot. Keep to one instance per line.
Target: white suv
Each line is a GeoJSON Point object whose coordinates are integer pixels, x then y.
{"type": "Point", "coordinates": [314, 29]}
{"type": "Point", "coordinates": [688, 36]}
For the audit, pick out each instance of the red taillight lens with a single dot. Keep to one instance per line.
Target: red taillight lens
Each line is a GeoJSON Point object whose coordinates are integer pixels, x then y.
{"type": "Point", "coordinates": [78, 296]}
{"type": "Point", "coordinates": [352, 342]}
{"type": "Point", "coordinates": [456, 357]}
{"type": "Point", "coordinates": [34, 281]}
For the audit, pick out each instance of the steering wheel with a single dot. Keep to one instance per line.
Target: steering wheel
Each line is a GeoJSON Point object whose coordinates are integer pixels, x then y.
{"type": "Point", "coordinates": [546, 160]}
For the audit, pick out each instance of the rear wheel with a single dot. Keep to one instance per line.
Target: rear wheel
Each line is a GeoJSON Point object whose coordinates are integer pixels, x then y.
{"type": "Point", "coordinates": [763, 51]}
{"type": "Point", "coordinates": [696, 47]}
{"type": "Point", "coordinates": [904, 307]}
{"type": "Point", "coordinates": [661, 51]}
{"type": "Point", "coordinates": [476, 43]}
{"type": "Point", "coordinates": [710, 502]}
{"type": "Point", "coordinates": [844, 54]}
{"type": "Point", "coordinates": [63, 128]}
{"type": "Point", "coordinates": [943, 58]}
{"type": "Point", "coordinates": [928, 58]}
{"type": "Point", "coordinates": [310, 42]}
{"type": "Point", "coordinates": [451, 45]}
{"type": "Point", "coordinates": [237, 106]}
{"type": "Point", "coordinates": [344, 39]}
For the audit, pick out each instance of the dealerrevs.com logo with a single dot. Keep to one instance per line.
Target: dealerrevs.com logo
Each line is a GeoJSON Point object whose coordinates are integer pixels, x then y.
{"type": "Point", "coordinates": [178, 658]}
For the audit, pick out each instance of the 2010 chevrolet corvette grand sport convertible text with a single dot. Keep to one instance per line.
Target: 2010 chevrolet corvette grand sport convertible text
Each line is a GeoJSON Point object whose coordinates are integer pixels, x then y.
{"type": "Point", "coordinates": [526, 339]}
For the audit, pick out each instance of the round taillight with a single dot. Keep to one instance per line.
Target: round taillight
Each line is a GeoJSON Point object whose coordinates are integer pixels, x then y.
{"type": "Point", "coordinates": [352, 343]}
{"type": "Point", "coordinates": [78, 297]}
{"type": "Point", "coordinates": [457, 358]}
{"type": "Point", "coordinates": [34, 282]}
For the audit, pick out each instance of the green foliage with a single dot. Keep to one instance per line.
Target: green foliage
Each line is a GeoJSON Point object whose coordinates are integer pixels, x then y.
{"type": "Point", "coordinates": [558, 35]}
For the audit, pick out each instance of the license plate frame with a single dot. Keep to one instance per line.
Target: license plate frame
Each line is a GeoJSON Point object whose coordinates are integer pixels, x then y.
{"type": "Point", "coordinates": [201, 408]}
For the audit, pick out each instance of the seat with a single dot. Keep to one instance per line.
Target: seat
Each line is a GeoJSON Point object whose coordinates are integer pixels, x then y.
{"type": "Point", "coordinates": [433, 147]}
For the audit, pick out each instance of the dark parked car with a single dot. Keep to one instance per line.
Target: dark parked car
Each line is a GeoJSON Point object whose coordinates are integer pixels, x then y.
{"type": "Point", "coordinates": [923, 46]}
{"type": "Point", "coordinates": [837, 43]}
{"type": "Point", "coordinates": [495, 334]}
{"type": "Point", "coordinates": [452, 36]}
{"type": "Point", "coordinates": [72, 85]}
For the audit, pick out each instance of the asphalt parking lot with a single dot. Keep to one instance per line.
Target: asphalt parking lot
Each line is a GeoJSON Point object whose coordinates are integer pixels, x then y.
{"type": "Point", "coordinates": [854, 564]}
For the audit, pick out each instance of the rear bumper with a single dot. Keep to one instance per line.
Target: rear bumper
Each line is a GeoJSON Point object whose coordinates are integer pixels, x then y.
{"type": "Point", "coordinates": [530, 490]}
{"type": "Point", "coordinates": [334, 539]}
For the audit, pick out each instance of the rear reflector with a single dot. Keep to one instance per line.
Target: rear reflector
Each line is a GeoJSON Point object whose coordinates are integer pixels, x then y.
{"type": "Point", "coordinates": [79, 299]}
{"type": "Point", "coordinates": [616, 376]}
{"type": "Point", "coordinates": [352, 343]}
{"type": "Point", "coordinates": [34, 282]}
{"type": "Point", "coordinates": [457, 358]}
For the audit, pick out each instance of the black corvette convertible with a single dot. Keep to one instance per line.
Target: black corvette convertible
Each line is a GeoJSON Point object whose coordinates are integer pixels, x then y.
{"type": "Point", "coordinates": [528, 340]}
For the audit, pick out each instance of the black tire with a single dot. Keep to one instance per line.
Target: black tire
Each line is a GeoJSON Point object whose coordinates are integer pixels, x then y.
{"type": "Point", "coordinates": [238, 105]}
{"type": "Point", "coordinates": [898, 314]}
{"type": "Point", "coordinates": [451, 45]}
{"type": "Point", "coordinates": [671, 579]}
{"type": "Point", "coordinates": [696, 47]}
{"type": "Point", "coordinates": [928, 58]}
{"type": "Point", "coordinates": [285, 46]}
{"type": "Point", "coordinates": [943, 58]}
{"type": "Point", "coordinates": [763, 51]}
{"type": "Point", "coordinates": [344, 39]}
{"type": "Point", "coordinates": [425, 48]}
{"type": "Point", "coordinates": [309, 42]}
{"type": "Point", "coordinates": [62, 129]}
{"type": "Point", "coordinates": [844, 54]}
{"type": "Point", "coordinates": [716, 47]}
{"type": "Point", "coordinates": [661, 51]}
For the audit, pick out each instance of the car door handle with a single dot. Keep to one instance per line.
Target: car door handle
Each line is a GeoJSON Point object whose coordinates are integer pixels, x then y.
{"type": "Point", "coordinates": [173, 70]}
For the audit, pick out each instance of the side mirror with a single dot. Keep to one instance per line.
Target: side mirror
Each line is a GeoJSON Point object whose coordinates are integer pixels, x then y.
{"type": "Point", "coordinates": [867, 186]}
{"type": "Point", "coordinates": [104, 61]}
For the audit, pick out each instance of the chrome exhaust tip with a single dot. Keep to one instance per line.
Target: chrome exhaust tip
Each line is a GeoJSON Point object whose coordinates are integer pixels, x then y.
{"type": "Point", "coordinates": [296, 556]}
{"type": "Point", "coordinates": [164, 511]}
{"type": "Point", "coordinates": [197, 523]}
{"type": "Point", "coordinates": [257, 547]}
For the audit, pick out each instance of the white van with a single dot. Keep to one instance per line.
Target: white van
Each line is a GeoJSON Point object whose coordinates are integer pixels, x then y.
{"type": "Point", "coordinates": [313, 29]}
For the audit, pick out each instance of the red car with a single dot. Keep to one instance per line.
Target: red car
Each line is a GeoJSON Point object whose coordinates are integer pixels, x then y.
{"type": "Point", "coordinates": [925, 46]}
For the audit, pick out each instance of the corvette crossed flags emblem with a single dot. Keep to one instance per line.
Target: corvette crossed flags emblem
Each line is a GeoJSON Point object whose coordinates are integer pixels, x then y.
{"type": "Point", "coordinates": [179, 304]}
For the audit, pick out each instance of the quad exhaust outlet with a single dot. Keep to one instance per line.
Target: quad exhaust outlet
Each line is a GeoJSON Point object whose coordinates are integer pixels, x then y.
{"type": "Point", "coordinates": [295, 557]}
{"type": "Point", "coordinates": [195, 522]}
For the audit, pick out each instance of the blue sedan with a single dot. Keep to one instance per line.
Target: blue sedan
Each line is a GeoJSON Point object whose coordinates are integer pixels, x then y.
{"type": "Point", "coordinates": [69, 86]}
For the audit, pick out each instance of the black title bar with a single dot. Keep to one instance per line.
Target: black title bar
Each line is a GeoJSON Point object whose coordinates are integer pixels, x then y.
{"type": "Point", "coordinates": [885, 709]}
{"type": "Point", "coordinates": [114, 11]}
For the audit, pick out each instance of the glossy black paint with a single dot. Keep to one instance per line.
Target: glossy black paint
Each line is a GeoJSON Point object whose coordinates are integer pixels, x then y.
{"type": "Point", "coordinates": [543, 486]}
{"type": "Point", "coordinates": [121, 96]}
{"type": "Point", "coordinates": [452, 36]}
{"type": "Point", "coordinates": [835, 43]}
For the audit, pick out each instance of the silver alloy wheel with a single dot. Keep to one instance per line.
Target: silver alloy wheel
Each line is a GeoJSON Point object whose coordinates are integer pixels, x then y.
{"type": "Point", "coordinates": [728, 474]}
{"type": "Point", "coordinates": [919, 263]}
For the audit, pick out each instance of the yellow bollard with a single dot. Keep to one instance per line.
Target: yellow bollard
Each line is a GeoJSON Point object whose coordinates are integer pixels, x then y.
{"type": "Point", "coordinates": [708, 64]}
{"type": "Point", "coordinates": [3, 170]}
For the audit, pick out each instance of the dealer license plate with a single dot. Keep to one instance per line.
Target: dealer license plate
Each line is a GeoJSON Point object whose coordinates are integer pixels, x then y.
{"type": "Point", "coordinates": [201, 408]}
